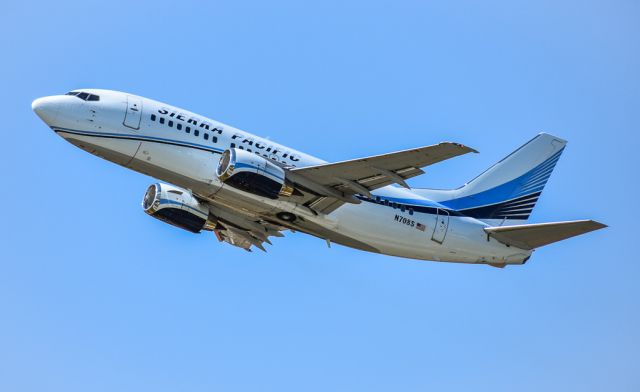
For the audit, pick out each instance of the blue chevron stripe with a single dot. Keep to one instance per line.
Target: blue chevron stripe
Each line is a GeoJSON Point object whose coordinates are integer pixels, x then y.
{"type": "Point", "coordinates": [529, 183]}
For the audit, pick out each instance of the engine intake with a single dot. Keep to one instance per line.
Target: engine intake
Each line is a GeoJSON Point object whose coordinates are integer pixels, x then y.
{"type": "Point", "coordinates": [177, 207]}
{"type": "Point", "coordinates": [254, 174]}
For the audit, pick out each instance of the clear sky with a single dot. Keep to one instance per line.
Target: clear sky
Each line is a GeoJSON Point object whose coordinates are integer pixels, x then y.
{"type": "Point", "coordinates": [97, 296]}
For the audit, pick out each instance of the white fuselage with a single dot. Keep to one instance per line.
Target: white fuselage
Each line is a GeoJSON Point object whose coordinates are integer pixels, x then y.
{"type": "Point", "coordinates": [151, 137]}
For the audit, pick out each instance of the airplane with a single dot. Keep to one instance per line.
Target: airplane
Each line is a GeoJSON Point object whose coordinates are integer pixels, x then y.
{"type": "Point", "coordinates": [246, 189]}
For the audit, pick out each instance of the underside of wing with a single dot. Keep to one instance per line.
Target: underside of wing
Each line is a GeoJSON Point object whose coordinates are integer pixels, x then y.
{"type": "Point", "coordinates": [336, 183]}
{"type": "Point", "coordinates": [239, 237]}
{"type": "Point", "coordinates": [243, 230]}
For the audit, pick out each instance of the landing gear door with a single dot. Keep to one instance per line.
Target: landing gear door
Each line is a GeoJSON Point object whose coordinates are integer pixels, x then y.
{"type": "Point", "coordinates": [442, 224]}
{"type": "Point", "coordinates": [134, 112]}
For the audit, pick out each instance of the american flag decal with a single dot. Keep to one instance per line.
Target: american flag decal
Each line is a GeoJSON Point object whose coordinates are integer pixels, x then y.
{"type": "Point", "coordinates": [420, 226]}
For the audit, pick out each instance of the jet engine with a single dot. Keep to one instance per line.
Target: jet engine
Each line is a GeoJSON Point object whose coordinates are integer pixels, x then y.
{"type": "Point", "coordinates": [254, 174]}
{"type": "Point", "coordinates": [177, 207]}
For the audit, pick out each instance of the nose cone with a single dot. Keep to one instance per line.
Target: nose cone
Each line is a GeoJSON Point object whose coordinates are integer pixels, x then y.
{"type": "Point", "coordinates": [46, 108]}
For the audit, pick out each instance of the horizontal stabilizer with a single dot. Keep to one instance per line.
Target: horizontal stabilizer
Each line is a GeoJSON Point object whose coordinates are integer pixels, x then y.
{"type": "Point", "coordinates": [536, 235]}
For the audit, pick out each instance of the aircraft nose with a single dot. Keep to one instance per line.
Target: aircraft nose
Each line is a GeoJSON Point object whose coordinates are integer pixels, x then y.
{"type": "Point", "coordinates": [46, 108]}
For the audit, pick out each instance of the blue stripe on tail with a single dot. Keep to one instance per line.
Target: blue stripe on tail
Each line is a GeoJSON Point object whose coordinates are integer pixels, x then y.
{"type": "Point", "coordinates": [512, 200]}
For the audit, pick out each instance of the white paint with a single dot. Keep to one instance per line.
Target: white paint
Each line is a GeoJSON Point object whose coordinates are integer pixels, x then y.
{"type": "Point", "coordinates": [119, 128]}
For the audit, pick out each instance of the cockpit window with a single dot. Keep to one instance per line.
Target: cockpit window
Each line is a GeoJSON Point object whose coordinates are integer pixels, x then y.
{"type": "Point", "coordinates": [84, 96]}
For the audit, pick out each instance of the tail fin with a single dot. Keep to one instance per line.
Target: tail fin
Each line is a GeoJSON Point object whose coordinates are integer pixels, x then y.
{"type": "Point", "coordinates": [509, 189]}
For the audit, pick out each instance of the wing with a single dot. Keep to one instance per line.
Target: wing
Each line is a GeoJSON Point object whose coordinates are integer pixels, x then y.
{"type": "Point", "coordinates": [324, 188]}
{"type": "Point", "coordinates": [245, 229]}
{"type": "Point", "coordinates": [337, 183]}
{"type": "Point", "coordinates": [240, 238]}
{"type": "Point", "coordinates": [242, 230]}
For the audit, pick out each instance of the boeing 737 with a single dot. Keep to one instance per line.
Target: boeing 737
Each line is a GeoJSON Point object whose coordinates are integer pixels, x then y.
{"type": "Point", "coordinates": [246, 189]}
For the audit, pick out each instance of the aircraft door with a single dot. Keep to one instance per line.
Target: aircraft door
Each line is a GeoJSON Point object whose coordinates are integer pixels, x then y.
{"type": "Point", "coordinates": [134, 112]}
{"type": "Point", "coordinates": [442, 224]}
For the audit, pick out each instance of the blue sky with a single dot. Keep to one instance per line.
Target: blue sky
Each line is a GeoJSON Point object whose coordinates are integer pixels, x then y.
{"type": "Point", "coordinates": [95, 295]}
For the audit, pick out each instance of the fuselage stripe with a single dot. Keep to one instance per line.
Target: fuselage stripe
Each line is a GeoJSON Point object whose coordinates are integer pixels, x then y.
{"type": "Point", "coordinates": [138, 137]}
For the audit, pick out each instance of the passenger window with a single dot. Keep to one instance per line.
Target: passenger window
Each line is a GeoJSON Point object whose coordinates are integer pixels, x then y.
{"type": "Point", "coordinates": [214, 139]}
{"type": "Point", "coordinates": [153, 117]}
{"type": "Point", "coordinates": [196, 132]}
{"type": "Point", "coordinates": [233, 145]}
{"type": "Point", "coordinates": [206, 136]}
{"type": "Point", "coordinates": [161, 120]}
{"type": "Point", "coordinates": [170, 123]}
{"type": "Point", "coordinates": [188, 129]}
{"type": "Point", "coordinates": [179, 126]}
{"type": "Point", "coordinates": [410, 211]}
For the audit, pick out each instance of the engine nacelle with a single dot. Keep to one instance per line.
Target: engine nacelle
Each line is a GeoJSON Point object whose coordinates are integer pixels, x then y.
{"type": "Point", "coordinates": [253, 173]}
{"type": "Point", "coordinates": [177, 207]}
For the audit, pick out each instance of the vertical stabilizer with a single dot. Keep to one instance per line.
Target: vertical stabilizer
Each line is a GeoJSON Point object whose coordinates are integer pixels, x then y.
{"type": "Point", "coordinates": [508, 190]}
